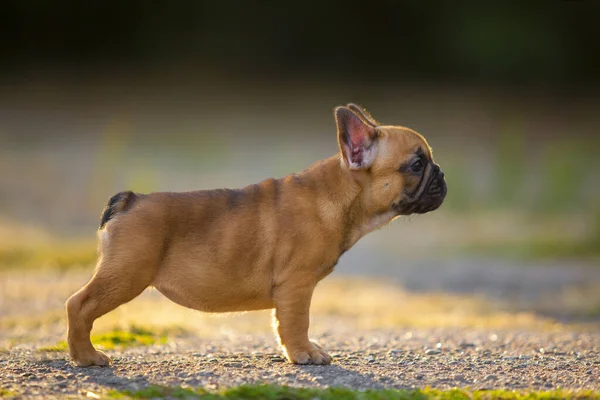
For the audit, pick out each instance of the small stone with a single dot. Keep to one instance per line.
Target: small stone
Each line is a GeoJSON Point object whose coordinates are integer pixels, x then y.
{"type": "Point", "coordinates": [233, 364]}
{"type": "Point", "coordinates": [490, 377]}
{"type": "Point", "coordinates": [394, 353]}
{"type": "Point", "coordinates": [432, 352]}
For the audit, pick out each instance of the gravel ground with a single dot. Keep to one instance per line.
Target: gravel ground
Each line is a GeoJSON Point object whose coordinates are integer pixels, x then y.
{"type": "Point", "coordinates": [525, 357]}
{"type": "Point", "coordinates": [439, 358]}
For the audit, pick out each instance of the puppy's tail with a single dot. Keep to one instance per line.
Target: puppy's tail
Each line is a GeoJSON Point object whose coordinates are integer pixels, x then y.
{"type": "Point", "coordinates": [120, 202]}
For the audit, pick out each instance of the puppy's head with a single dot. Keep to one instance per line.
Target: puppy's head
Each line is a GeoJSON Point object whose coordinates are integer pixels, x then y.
{"type": "Point", "coordinates": [393, 164]}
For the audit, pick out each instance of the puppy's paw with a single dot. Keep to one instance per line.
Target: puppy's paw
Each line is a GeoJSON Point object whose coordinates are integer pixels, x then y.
{"type": "Point", "coordinates": [313, 354]}
{"type": "Point", "coordinates": [93, 358]}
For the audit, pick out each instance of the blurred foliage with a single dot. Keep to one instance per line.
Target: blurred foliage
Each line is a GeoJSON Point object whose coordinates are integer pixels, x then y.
{"type": "Point", "coordinates": [559, 179]}
{"type": "Point", "coordinates": [510, 168]}
{"type": "Point", "coordinates": [61, 255]}
{"type": "Point", "coordinates": [541, 249]}
{"type": "Point", "coordinates": [566, 165]}
{"type": "Point", "coordinates": [550, 246]}
{"type": "Point", "coordinates": [459, 197]}
{"type": "Point", "coordinates": [468, 40]}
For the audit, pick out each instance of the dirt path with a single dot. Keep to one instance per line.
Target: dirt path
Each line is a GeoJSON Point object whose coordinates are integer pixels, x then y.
{"type": "Point", "coordinates": [406, 359]}
{"type": "Point", "coordinates": [380, 335]}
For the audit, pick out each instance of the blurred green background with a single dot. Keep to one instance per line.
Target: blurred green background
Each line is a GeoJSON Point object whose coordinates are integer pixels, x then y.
{"type": "Point", "coordinates": [98, 97]}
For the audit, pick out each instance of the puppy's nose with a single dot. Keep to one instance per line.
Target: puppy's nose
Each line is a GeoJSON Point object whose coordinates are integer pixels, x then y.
{"type": "Point", "coordinates": [441, 174]}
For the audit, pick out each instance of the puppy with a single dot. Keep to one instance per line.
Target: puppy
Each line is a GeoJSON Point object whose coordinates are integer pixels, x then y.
{"type": "Point", "coordinates": [265, 246]}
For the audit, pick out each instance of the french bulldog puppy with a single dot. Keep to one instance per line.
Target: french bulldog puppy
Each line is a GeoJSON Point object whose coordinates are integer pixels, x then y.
{"type": "Point", "coordinates": [265, 246]}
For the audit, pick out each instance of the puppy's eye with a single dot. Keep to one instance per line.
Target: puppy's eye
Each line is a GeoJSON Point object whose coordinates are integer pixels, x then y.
{"type": "Point", "coordinates": [417, 166]}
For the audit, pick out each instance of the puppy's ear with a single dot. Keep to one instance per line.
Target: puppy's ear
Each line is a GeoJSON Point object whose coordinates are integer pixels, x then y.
{"type": "Point", "coordinates": [356, 138]}
{"type": "Point", "coordinates": [363, 114]}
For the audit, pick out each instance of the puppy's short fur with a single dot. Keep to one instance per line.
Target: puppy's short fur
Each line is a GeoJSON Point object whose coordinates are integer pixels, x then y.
{"type": "Point", "coordinates": [263, 246]}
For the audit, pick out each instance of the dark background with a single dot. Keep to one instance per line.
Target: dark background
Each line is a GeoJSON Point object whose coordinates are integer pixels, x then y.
{"type": "Point", "coordinates": [535, 42]}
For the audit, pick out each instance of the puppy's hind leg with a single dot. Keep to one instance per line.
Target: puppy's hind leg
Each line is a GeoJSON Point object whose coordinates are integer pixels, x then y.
{"type": "Point", "coordinates": [118, 279]}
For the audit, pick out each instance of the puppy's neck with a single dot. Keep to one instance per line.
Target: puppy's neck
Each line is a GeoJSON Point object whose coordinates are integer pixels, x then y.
{"type": "Point", "coordinates": [343, 201]}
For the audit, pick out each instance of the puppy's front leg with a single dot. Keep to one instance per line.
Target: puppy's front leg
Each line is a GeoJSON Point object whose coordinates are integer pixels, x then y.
{"type": "Point", "coordinates": [291, 320]}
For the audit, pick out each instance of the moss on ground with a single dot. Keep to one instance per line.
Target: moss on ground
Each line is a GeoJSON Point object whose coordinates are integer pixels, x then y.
{"type": "Point", "coordinates": [8, 393]}
{"type": "Point", "coordinates": [275, 392]}
{"type": "Point", "coordinates": [119, 339]}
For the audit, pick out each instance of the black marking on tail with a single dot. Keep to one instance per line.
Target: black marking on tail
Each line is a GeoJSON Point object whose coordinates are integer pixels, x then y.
{"type": "Point", "coordinates": [119, 202]}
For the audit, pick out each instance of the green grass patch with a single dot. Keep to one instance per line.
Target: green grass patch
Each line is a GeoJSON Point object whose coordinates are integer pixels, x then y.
{"type": "Point", "coordinates": [118, 339]}
{"type": "Point", "coordinates": [274, 392]}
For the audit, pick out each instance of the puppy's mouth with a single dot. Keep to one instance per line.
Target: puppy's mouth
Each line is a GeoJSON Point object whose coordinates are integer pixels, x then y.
{"type": "Point", "coordinates": [428, 196]}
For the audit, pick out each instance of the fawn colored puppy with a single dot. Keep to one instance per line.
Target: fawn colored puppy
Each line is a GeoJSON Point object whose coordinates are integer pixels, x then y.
{"type": "Point", "coordinates": [265, 246]}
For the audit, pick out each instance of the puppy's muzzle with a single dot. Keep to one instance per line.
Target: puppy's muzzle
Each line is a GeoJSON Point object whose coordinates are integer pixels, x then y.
{"type": "Point", "coordinates": [428, 196]}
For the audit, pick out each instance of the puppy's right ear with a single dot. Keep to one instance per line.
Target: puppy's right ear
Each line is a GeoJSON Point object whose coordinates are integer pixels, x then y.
{"type": "Point", "coordinates": [356, 138]}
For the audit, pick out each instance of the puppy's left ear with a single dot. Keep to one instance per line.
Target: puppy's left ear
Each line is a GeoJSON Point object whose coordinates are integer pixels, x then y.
{"type": "Point", "coordinates": [357, 139]}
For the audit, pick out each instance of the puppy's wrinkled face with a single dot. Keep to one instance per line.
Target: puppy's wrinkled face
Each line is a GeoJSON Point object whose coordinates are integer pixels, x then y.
{"type": "Point", "coordinates": [394, 163]}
